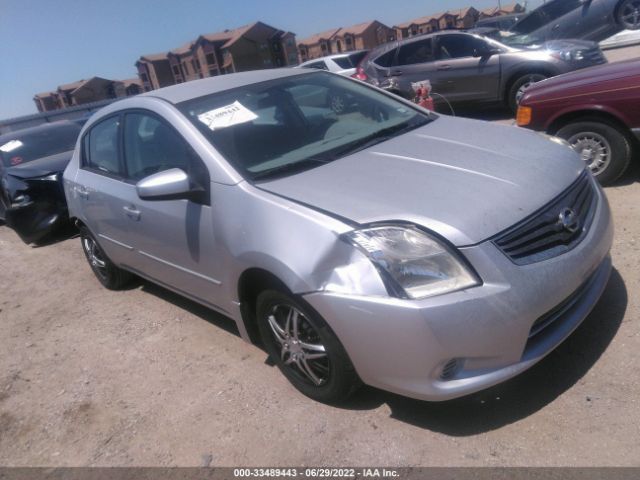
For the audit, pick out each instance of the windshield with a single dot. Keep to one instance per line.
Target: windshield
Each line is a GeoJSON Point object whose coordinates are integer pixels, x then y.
{"type": "Point", "coordinates": [288, 125]}
{"type": "Point", "coordinates": [23, 148]}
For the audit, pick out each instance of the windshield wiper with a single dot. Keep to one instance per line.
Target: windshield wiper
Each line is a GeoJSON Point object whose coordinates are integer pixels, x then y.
{"type": "Point", "coordinates": [379, 137]}
{"type": "Point", "coordinates": [289, 168]}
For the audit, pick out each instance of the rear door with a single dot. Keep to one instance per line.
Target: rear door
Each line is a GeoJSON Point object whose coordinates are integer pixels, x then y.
{"type": "Point", "coordinates": [102, 191]}
{"type": "Point", "coordinates": [415, 62]}
{"type": "Point", "coordinates": [465, 72]}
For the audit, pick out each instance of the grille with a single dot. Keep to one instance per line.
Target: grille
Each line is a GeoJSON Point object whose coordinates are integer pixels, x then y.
{"type": "Point", "coordinates": [555, 229]}
{"type": "Point", "coordinates": [594, 55]}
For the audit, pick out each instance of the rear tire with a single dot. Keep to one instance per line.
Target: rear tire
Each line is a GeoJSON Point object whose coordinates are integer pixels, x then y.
{"type": "Point", "coordinates": [518, 88]}
{"type": "Point", "coordinates": [106, 272]}
{"type": "Point", "coordinates": [605, 149]}
{"type": "Point", "coordinates": [304, 348]}
{"type": "Point", "coordinates": [628, 14]}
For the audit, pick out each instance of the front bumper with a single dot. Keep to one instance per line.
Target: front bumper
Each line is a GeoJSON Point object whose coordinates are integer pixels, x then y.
{"type": "Point", "coordinates": [452, 345]}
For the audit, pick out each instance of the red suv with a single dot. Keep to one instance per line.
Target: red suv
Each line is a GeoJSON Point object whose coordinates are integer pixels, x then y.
{"type": "Point", "coordinates": [596, 110]}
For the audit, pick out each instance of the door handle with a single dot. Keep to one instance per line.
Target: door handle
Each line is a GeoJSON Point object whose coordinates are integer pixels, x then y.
{"type": "Point", "coordinates": [132, 212]}
{"type": "Point", "coordinates": [444, 67]}
{"type": "Point", "coordinates": [556, 26]}
{"type": "Point", "coordinates": [82, 192]}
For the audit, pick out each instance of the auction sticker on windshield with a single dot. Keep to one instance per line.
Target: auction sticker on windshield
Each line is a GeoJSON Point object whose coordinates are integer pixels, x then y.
{"type": "Point", "coordinates": [227, 116]}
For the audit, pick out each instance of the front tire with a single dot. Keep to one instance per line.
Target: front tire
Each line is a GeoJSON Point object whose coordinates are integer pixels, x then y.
{"type": "Point", "coordinates": [628, 15]}
{"type": "Point", "coordinates": [304, 348]}
{"type": "Point", "coordinates": [518, 88]}
{"type": "Point", "coordinates": [604, 148]}
{"type": "Point", "coordinates": [106, 272]}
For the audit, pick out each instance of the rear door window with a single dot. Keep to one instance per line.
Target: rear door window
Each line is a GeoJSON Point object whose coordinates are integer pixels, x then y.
{"type": "Point", "coordinates": [100, 147]}
{"type": "Point", "coordinates": [387, 59]}
{"type": "Point", "coordinates": [458, 46]}
{"type": "Point", "coordinates": [420, 51]}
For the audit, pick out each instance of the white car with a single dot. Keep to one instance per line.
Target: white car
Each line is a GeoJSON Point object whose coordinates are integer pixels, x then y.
{"type": "Point", "coordinates": [341, 63]}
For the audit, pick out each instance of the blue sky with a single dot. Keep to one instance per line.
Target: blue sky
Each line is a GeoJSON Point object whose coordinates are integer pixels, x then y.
{"type": "Point", "coordinates": [51, 42]}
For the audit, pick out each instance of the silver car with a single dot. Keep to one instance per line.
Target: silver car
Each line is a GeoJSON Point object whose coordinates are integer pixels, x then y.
{"type": "Point", "coordinates": [465, 68]}
{"type": "Point", "coordinates": [420, 254]}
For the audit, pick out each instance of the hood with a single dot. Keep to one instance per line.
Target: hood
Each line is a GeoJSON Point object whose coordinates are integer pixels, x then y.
{"type": "Point", "coordinates": [466, 180]}
{"type": "Point", "coordinates": [588, 80]}
{"type": "Point", "coordinates": [42, 166]}
{"type": "Point", "coordinates": [568, 45]}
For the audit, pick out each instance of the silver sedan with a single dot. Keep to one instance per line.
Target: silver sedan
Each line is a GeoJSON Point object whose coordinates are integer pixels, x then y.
{"type": "Point", "coordinates": [385, 245]}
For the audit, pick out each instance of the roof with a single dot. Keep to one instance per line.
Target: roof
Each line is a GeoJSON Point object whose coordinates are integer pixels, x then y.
{"type": "Point", "coordinates": [154, 57]}
{"type": "Point", "coordinates": [72, 85]}
{"type": "Point", "coordinates": [206, 86]}
{"type": "Point", "coordinates": [181, 50]}
{"type": "Point", "coordinates": [419, 21]}
{"type": "Point", "coordinates": [313, 39]}
{"type": "Point", "coordinates": [45, 94]}
{"type": "Point", "coordinates": [356, 29]}
{"type": "Point", "coordinates": [131, 81]}
{"type": "Point", "coordinates": [229, 36]}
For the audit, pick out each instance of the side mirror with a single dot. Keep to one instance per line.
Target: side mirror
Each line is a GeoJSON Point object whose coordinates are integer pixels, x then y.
{"type": "Point", "coordinates": [171, 184]}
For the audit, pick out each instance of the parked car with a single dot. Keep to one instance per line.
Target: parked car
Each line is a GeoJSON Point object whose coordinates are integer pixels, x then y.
{"type": "Point", "coordinates": [32, 160]}
{"type": "Point", "coordinates": [465, 68]}
{"type": "Point", "coordinates": [596, 111]}
{"type": "Point", "coordinates": [422, 254]}
{"type": "Point", "coordinates": [501, 22]}
{"type": "Point", "coordinates": [340, 63]}
{"type": "Point", "coordinates": [583, 19]}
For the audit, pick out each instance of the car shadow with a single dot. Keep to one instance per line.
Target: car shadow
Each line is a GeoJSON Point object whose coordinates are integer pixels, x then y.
{"type": "Point", "coordinates": [61, 234]}
{"type": "Point", "coordinates": [521, 396]}
{"type": "Point", "coordinates": [217, 319]}
{"type": "Point", "coordinates": [489, 113]}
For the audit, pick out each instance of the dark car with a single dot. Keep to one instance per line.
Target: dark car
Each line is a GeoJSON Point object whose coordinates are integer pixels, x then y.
{"type": "Point", "coordinates": [596, 111]}
{"type": "Point", "coordinates": [464, 68]}
{"type": "Point", "coordinates": [583, 19]}
{"type": "Point", "coordinates": [32, 160]}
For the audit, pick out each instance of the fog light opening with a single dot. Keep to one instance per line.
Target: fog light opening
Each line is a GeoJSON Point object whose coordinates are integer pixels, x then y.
{"type": "Point", "coordinates": [451, 368]}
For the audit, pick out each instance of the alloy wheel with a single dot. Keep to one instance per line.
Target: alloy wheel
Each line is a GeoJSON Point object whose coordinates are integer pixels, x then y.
{"type": "Point", "coordinates": [534, 78]}
{"type": "Point", "coordinates": [630, 14]}
{"type": "Point", "coordinates": [95, 256]}
{"type": "Point", "coordinates": [301, 348]}
{"type": "Point", "coordinates": [594, 150]}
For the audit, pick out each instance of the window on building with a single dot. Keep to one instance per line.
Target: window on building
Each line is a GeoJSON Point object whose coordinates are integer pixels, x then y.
{"type": "Point", "coordinates": [144, 77]}
{"type": "Point", "coordinates": [197, 64]}
{"type": "Point", "coordinates": [176, 70]}
{"type": "Point", "coordinates": [211, 59]}
{"type": "Point", "coordinates": [100, 147]}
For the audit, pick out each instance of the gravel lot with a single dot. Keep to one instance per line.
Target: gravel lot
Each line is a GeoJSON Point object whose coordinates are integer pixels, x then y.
{"type": "Point", "coordinates": [143, 377]}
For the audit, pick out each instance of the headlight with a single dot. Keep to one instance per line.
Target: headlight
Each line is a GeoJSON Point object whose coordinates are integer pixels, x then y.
{"type": "Point", "coordinates": [413, 264]}
{"type": "Point", "coordinates": [569, 55]}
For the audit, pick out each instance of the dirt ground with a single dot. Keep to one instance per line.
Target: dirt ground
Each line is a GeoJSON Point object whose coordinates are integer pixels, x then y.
{"type": "Point", "coordinates": [145, 378]}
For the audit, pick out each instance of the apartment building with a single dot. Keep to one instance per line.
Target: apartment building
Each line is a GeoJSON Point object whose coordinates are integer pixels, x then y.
{"type": "Point", "coordinates": [86, 91]}
{"type": "Point", "coordinates": [362, 36]}
{"type": "Point", "coordinates": [250, 47]}
{"type": "Point", "coordinates": [459, 18]}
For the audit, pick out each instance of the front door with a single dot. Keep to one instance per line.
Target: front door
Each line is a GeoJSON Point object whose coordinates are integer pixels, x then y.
{"type": "Point", "coordinates": [467, 72]}
{"type": "Point", "coordinates": [174, 240]}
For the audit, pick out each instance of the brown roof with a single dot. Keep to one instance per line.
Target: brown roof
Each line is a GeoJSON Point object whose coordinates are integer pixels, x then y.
{"type": "Point", "coordinates": [420, 21]}
{"type": "Point", "coordinates": [313, 39]}
{"type": "Point", "coordinates": [356, 29]}
{"type": "Point", "coordinates": [131, 81]}
{"type": "Point", "coordinates": [73, 85]}
{"type": "Point", "coordinates": [463, 12]}
{"type": "Point", "coordinates": [45, 94]}
{"type": "Point", "coordinates": [490, 11]}
{"type": "Point", "coordinates": [181, 50]}
{"type": "Point", "coordinates": [229, 36]}
{"type": "Point", "coordinates": [154, 57]}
